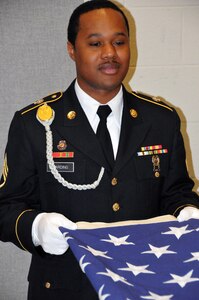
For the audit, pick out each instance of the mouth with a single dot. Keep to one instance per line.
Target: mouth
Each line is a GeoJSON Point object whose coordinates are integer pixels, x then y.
{"type": "Point", "coordinates": [109, 68]}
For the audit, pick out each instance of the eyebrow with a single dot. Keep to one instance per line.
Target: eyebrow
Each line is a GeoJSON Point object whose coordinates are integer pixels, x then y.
{"type": "Point", "coordinates": [100, 35]}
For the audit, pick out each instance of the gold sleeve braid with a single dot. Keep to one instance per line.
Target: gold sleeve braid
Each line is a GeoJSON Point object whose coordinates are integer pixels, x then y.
{"type": "Point", "coordinates": [16, 227]}
{"type": "Point", "coordinates": [181, 207]}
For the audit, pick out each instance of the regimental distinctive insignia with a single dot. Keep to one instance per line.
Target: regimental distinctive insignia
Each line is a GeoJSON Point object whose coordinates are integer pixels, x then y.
{"type": "Point", "coordinates": [156, 165]}
{"type": "Point", "coordinates": [44, 112]}
{"type": "Point", "coordinates": [54, 96]}
{"type": "Point", "coordinates": [157, 99]}
{"type": "Point", "coordinates": [39, 101]}
{"type": "Point", "coordinates": [49, 99]}
{"type": "Point", "coordinates": [152, 99]}
{"type": "Point", "coordinates": [62, 145]}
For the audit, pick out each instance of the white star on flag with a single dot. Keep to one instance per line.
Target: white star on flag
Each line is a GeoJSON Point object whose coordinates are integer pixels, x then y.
{"type": "Point", "coordinates": [115, 277]}
{"type": "Point", "coordinates": [136, 269]}
{"type": "Point", "coordinates": [118, 241]}
{"type": "Point", "coordinates": [83, 265]}
{"type": "Point", "coordinates": [154, 296]}
{"type": "Point", "coordinates": [118, 269]}
{"type": "Point", "coordinates": [159, 251]}
{"type": "Point", "coordinates": [195, 257]}
{"type": "Point", "coordinates": [178, 232]}
{"type": "Point", "coordinates": [182, 280]}
{"type": "Point", "coordinates": [100, 295]}
{"type": "Point", "coordinates": [67, 237]}
{"type": "Point", "coordinates": [96, 252]}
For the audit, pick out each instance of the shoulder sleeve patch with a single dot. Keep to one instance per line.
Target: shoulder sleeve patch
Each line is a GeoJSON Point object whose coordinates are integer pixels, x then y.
{"type": "Point", "coordinates": [48, 99]}
{"type": "Point", "coordinates": [152, 99]}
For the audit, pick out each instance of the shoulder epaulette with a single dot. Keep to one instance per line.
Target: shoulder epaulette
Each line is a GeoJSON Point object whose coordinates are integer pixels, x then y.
{"type": "Point", "coordinates": [48, 99]}
{"type": "Point", "coordinates": [152, 99]}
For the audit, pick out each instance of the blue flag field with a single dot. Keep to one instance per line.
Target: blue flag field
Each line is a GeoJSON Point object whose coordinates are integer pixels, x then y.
{"type": "Point", "coordinates": [158, 261]}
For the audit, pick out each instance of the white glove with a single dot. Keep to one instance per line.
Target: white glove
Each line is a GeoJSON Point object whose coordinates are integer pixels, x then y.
{"type": "Point", "coordinates": [46, 233]}
{"type": "Point", "coordinates": [187, 213]}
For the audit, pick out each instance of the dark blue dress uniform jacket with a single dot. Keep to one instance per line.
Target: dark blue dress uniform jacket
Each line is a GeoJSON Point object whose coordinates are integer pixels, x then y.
{"type": "Point", "coordinates": [131, 191]}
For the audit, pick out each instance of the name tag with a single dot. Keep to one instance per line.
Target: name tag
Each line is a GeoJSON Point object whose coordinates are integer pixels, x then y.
{"type": "Point", "coordinates": [63, 167]}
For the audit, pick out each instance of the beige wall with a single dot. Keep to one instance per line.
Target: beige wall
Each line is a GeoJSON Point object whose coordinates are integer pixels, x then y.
{"type": "Point", "coordinates": [168, 62]}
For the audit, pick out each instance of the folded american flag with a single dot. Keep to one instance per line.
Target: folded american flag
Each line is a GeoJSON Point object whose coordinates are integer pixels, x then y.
{"type": "Point", "coordinates": [158, 261]}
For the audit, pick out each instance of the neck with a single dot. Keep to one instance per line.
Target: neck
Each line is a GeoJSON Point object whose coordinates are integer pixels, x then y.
{"type": "Point", "coordinates": [101, 95]}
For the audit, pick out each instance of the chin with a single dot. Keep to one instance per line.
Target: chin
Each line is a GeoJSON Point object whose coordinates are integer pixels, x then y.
{"type": "Point", "coordinates": [112, 85]}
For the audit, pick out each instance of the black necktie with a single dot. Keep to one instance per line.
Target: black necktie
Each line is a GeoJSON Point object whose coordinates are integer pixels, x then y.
{"type": "Point", "coordinates": [103, 134]}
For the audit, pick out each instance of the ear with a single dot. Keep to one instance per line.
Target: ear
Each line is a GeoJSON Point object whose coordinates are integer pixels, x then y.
{"type": "Point", "coordinates": [71, 50]}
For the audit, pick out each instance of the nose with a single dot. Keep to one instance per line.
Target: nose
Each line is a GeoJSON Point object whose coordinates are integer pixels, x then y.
{"type": "Point", "coordinates": [108, 51]}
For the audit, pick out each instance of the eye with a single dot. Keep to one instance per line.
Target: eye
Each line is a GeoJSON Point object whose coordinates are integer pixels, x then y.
{"type": "Point", "coordinates": [119, 43]}
{"type": "Point", "coordinates": [95, 44]}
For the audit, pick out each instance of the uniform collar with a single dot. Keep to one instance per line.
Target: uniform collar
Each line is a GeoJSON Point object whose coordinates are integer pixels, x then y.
{"type": "Point", "coordinates": [90, 105]}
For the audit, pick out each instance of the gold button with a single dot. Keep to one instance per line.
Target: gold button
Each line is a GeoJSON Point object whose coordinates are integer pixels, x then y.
{"type": "Point", "coordinates": [157, 174]}
{"type": "Point", "coordinates": [47, 285]}
{"type": "Point", "coordinates": [116, 206]}
{"type": "Point", "coordinates": [71, 115]}
{"type": "Point", "coordinates": [133, 113]}
{"type": "Point", "coordinates": [114, 181]}
{"type": "Point", "coordinates": [54, 96]}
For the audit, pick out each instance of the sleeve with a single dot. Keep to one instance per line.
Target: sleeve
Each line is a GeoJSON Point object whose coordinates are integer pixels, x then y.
{"type": "Point", "coordinates": [19, 188]}
{"type": "Point", "coordinates": [177, 189]}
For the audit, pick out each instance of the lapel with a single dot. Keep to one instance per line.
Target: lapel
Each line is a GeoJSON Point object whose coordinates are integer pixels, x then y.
{"type": "Point", "coordinates": [133, 132]}
{"type": "Point", "coordinates": [77, 131]}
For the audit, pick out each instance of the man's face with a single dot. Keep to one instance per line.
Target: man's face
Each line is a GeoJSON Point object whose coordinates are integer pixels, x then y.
{"type": "Point", "coordinates": [101, 52]}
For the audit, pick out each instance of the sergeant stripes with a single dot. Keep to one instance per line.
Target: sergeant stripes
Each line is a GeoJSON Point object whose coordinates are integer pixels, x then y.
{"type": "Point", "coordinates": [5, 171]}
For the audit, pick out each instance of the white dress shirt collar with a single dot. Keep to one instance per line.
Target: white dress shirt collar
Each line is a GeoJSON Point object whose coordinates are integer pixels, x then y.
{"type": "Point", "coordinates": [90, 105]}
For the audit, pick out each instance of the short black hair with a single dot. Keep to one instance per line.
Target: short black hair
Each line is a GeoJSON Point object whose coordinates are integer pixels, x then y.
{"type": "Point", "coordinates": [73, 25]}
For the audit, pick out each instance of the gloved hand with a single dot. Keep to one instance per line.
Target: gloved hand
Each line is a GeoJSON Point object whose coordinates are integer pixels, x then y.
{"type": "Point", "coordinates": [187, 213]}
{"type": "Point", "coordinates": [46, 233]}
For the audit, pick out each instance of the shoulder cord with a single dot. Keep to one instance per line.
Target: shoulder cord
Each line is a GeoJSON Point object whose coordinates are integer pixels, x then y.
{"type": "Point", "coordinates": [53, 169]}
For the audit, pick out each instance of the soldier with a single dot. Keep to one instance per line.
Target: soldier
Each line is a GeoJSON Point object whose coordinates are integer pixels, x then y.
{"type": "Point", "coordinates": [93, 153]}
